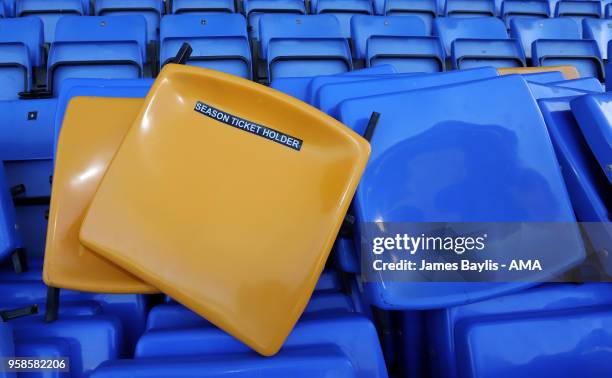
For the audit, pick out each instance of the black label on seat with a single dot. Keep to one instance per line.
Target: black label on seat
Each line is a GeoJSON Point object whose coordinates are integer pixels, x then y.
{"type": "Point", "coordinates": [249, 126]}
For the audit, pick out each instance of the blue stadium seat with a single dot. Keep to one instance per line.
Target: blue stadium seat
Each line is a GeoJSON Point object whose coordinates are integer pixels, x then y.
{"type": "Point", "coordinates": [427, 10]}
{"type": "Point", "coordinates": [97, 47]}
{"type": "Point", "coordinates": [402, 42]}
{"type": "Point", "coordinates": [343, 10]}
{"type": "Point", "coordinates": [254, 9]}
{"type": "Point", "coordinates": [321, 361]}
{"type": "Point", "coordinates": [151, 10]}
{"type": "Point", "coordinates": [203, 6]}
{"type": "Point", "coordinates": [583, 54]}
{"type": "Point", "coordinates": [522, 8]}
{"type": "Point", "coordinates": [587, 84]}
{"type": "Point", "coordinates": [600, 31]}
{"type": "Point", "coordinates": [594, 117]}
{"type": "Point", "coordinates": [298, 86]}
{"type": "Point", "coordinates": [9, 240]}
{"type": "Point", "coordinates": [330, 96]}
{"type": "Point", "coordinates": [490, 193]}
{"type": "Point", "coordinates": [546, 91]}
{"type": "Point", "coordinates": [128, 309]}
{"type": "Point", "coordinates": [557, 41]}
{"type": "Point", "coordinates": [88, 340]}
{"type": "Point", "coordinates": [219, 41]}
{"type": "Point", "coordinates": [49, 12]}
{"type": "Point", "coordinates": [299, 46]}
{"type": "Point", "coordinates": [469, 8]}
{"type": "Point", "coordinates": [555, 330]}
{"type": "Point", "coordinates": [578, 10]}
{"type": "Point", "coordinates": [353, 334]}
{"type": "Point", "coordinates": [608, 11]}
{"type": "Point", "coordinates": [544, 77]}
{"type": "Point", "coordinates": [26, 140]}
{"type": "Point", "coordinates": [175, 316]}
{"type": "Point", "coordinates": [585, 180]}
{"type": "Point", "coordinates": [478, 42]}
{"type": "Point", "coordinates": [20, 50]}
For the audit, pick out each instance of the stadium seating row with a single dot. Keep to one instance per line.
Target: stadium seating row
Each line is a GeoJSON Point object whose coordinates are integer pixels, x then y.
{"type": "Point", "coordinates": [561, 329]}
{"type": "Point", "coordinates": [252, 9]}
{"type": "Point", "coordinates": [289, 46]}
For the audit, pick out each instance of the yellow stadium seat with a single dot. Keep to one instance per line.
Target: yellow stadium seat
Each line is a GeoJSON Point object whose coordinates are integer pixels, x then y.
{"type": "Point", "coordinates": [227, 195]}
{"type": "Point", "coordinates": [569, 72]}
{"type": "Point", "coordinates": [91, 133]}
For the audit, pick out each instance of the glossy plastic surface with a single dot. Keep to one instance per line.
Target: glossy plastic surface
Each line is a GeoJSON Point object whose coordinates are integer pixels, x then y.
{"type": "Point", "coordinates": [82, 158]}
{"type": "Point", "coordinates": [209, 271]}
{"type": "Point", "coordinates": [484, 189]}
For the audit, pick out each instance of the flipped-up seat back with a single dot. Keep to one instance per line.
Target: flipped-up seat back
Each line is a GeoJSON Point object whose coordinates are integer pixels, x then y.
{"type": "Point", "coordinates": [151, 10]}
{"type": "Point", "coordinates": [68, 264]}
{"type": "Point", "coordinates": [600, 31]}
{"type": "Point", "coordinates": [298, 46]}
{"type": "Point", "coordinates": [578, 10]}
{"type": "Point", "coordinates": [195, 117]}
{"type": "Point", "coordinates": [254, 9]}
{"type": "Point", "coordinates": [426, 10]}
{"type": "Point", "coordinates": [203, 6]}
{"type": "Point", "coordinates": [343, 10]}
{"type": "Point", "coordinates": [478, 42]}
{"type": "Point", "coordinates": [525, 9]}
{"type": "Point", "coordinates": [97, 47]}
{"type": "Point", "coordinates": [402, 42]}
{"type": "Point", "coordinates": [21, 42]}
{"type": "Point", "coordinates": [558, 41]}
{"type": "Point", "coordinates": [469, 8]}
{"type": "Point", "coordinates": [49, 12]}
{"type": "Point", "coordinates": [219, 41]}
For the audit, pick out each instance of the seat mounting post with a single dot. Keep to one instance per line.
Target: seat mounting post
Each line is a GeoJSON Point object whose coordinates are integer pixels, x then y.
{"type": "Point", "coordinates": [52, 306]}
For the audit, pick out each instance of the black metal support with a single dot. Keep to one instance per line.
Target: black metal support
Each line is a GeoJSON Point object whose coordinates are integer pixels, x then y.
{"type": "Point", "coordinates": [20, 260]}
{"type": "Point", "coordinates": [371, 128]}
{"type": "Point", "coordinates": [7, 315]}
{"type": "Point", "coordinates": [52, 306]}
{"type": "Point", "coordinates": [17, 190]}
{"type": "Point", "coordinates": [183, 54]}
